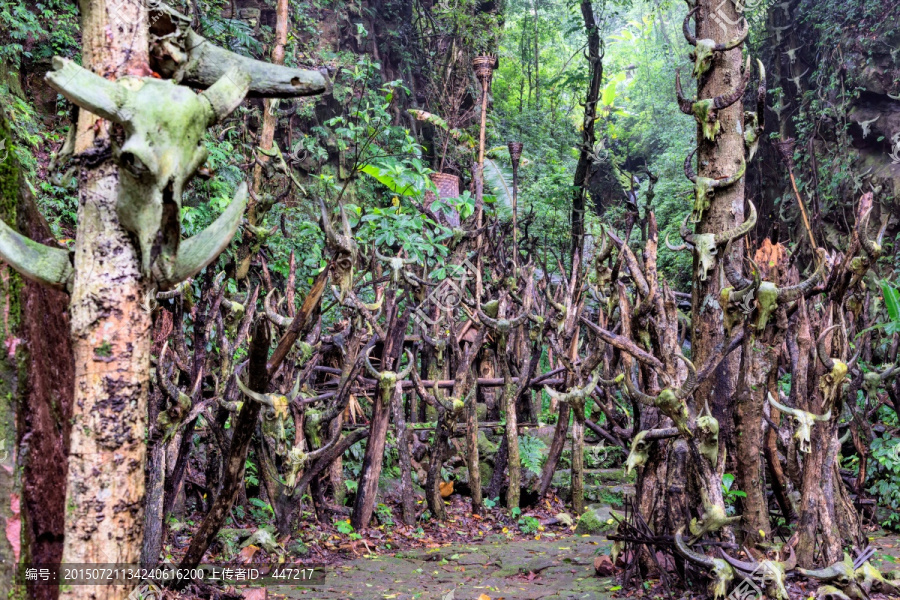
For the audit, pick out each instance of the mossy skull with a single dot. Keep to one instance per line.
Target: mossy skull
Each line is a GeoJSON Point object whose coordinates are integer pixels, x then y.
{"type": "Point", "coordinates": [164, 125]}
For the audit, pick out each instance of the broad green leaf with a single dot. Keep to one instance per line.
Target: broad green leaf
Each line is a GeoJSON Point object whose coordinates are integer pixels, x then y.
{"type": "Point", "coordinates": [891, 301]}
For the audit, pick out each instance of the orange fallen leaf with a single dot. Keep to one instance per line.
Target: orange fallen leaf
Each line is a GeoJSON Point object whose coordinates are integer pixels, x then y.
{"type": "Point", "coordinates": [484, 597]}
{"type": "Point", "coordinates": [247, 553]}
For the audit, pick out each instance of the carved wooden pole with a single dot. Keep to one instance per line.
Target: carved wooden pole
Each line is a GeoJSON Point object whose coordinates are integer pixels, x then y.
{"type": "Point", "coordinates": [484, 70]}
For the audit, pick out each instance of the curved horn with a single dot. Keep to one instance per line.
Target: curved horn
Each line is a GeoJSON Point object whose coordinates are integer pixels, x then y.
{"type": "Point", "coordinates": [272, 314]}
{"type": "Point", "coordinates": [792, 293]}
{"type": "Point", "coordinates": [824, 574]}
{"type": "Point", "coordinates": [785, 409]}
{"type": "Point", "coordinates": [735, 42]}
{"type": "Point", "coordinates": [824, 418]}
{"type": "Point", "coordinates": [726, 100]}
{"type": "Point", "coordinates": [791, 561]}
{"type": "Point", "coordinates": [688, 35]}
{"type": "Point", "coordinates": [690, 383]}
{"type": "Point", "coordinates": [37, 262]}
{"type": "Point", "coordinates": [695, 557]}
{"type": "Point", "coordinates": [381, 256]}
{"type": "Point", "coordinates": [261, 398]}
{"type": "Point", "coordinates": [761, 97]}
{"type": "Point", "coordinates": [486, 319]}
{"type": "Point", "coordinates": [737, 280]}
{"type": "Point", "coordinates": [198, 251]}
{"type": "Point", "coordinates": [330, 234]}
{"type": "Point", "coordinates": [888, 373]}
{"type": "Point", "coordinates": [727, 181]}
{"type": "Point", "coordinates": [824, 355]}
{"type": "Point", "coordinates": [88, 90]}
{"type": "Point", "coordinates": [852, 363]}
{"type": "Point", "coordinates": [519, 320]}
{"type": "Point", "coordinates": [641, 396]}
{"type": "Point", "coordinates": [689, 167]}
{"type": "Point", "coordinates": [747, 567]}
{"type": "Point", "coordinates": [295, 391]}
{"type": "Point", "coordinates": [741, 230]}
{"type": "Point", "coordinates": [412, 361]}
{"type": "Point", "coordinates": [558, 396]}
{"type": "Point", "coordinates": [684, 103]}
{"type": "Point", "coordinates": [227, 93]}
{"type": "Point", "coordinates": [674, 248]}
{"type": "Point", "coordinates": [371, 369]}
{"type": "Point", "coordinates": [606, 248]}
{"type": "Point", "coordinates": [685, 232]}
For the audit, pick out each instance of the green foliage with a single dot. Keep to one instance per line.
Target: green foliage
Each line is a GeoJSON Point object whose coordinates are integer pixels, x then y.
{"type": "Point", "coordinates": [344, 527]}
{"type": "Point", "coordinates": [892, 304]}
{"type": "Point", "coordinates": [384, 515]}
{"type": "Point", "coordinates": [533, 453]}
{"type": "Point", "coordinates": [528, 525]}
{"type": "Point", "coordinates": [884, 472]}
{"type": "Point", "coordinates": [730, 494]}
{"type": "Point", "coordinates": [250, 474]}
{"type": "Point", "coordinates": [261, 511]}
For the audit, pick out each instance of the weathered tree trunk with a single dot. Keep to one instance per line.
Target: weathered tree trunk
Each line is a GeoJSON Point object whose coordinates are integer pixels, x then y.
{"type": "Point", "coordinates": [36, 381]}
{"type": "Point", "coordinates": [582, 169]}
{"type": "Point", "coordinates": [473, 465]}
{"type": "Point", "coordinates": [407, 499]}
{"type": "Point", "coordinates": [717, 160]}
{"type": "Point", "coordinates": [556, 447]}
{"type": "Point", "coordinates": [759, 359]}
{"type": "Point", "coordinates": [578, 457]}
{"type": "Point", "coordinates": [110, 330]}
{"type": "Point", "coordinates": [513, 459]}
{"type": "Point", "coordinates": [155, 498]}
{"type": "Point", "coordinates": [367, 487]}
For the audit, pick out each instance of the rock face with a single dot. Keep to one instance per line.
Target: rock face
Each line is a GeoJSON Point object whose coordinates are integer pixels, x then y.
{"type": "Point", "coordinates": [833, 74]}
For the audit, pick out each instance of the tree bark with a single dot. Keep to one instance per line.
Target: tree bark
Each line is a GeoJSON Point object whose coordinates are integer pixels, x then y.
{"type": "Point", "coordinates": [407, 498]}
{"type": "Point", "coordinates": [36, 381]}
{"type": "Point", "coordinates": [367, 487]}
{"type": "Point", "coordinates": [110, 330]}
{"type": "Point", "coordinates": [582, 169]}
{"type": "Point", "coordinates": [717, 160]}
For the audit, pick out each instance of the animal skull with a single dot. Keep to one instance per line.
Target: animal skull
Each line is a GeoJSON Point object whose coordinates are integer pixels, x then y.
{"type": "Point", "coordinates": [639, 454]}
{"type": "Point", "coordinates": [164, 125]}
{"type": "Point", "coordinates": [803, 423]}
{"type": "Point", "coordinates": [708, 428]}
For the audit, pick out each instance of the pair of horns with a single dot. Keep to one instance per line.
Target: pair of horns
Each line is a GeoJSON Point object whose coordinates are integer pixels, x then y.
{"type": "Point", "coordinates": [720, 238]}
{"type": "Point", "coordinates": [692, 38]}
{"type": "Point", "coordinates": [400, 376]}
{"type": "Point", "coordinates": [716, 183]}
{"type": "Point", "coordinates": [722, 101]}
